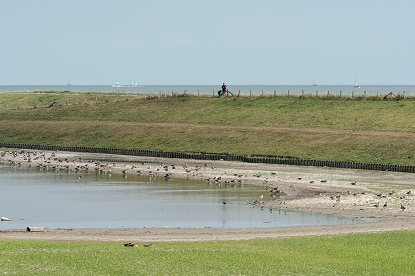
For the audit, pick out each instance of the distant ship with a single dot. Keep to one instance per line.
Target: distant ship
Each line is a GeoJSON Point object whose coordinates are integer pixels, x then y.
{"type": "Point", "coordinates": [132, 84]}
{"type": "Point", "coordinates": [117, 85]}
{"type": "Point", "coordinates": [355, 84]}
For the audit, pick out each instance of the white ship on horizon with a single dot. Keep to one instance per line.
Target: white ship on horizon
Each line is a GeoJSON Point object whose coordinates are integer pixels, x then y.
{"type": "Point", "coordinates": [132, 84]}
{"type": "Point", "coordinates": [355, 83]}
{"type": "Point", "coordinates": [117, 85]}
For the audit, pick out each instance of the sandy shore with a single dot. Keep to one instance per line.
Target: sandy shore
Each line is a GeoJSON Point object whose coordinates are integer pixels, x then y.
{"type": "Point", "coordinates": [387, 196]}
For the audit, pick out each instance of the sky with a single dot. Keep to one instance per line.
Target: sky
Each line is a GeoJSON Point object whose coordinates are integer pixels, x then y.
{"type": "Point", "coordinates": [241, 42]}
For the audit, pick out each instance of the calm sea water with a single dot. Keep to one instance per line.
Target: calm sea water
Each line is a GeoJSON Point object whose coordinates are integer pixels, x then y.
{"type": "Point", "coordinates": [212, 89]}
{"type": "Point", "coordinates": [70, 200]}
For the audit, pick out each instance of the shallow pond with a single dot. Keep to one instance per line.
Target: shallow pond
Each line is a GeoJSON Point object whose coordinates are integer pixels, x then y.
{"type": "Point", "coordinates": [72, 200]}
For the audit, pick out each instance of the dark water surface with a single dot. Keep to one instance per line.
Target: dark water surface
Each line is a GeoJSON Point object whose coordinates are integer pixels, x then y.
{"type": "Point", "coordinates": [72, 200]}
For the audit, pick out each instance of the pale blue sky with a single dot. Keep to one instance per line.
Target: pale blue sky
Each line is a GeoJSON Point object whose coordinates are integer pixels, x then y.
{"type": "Point", "coordinates": [207, 42]}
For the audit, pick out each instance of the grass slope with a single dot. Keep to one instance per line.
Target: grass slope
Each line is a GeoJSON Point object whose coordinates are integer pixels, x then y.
{"type": "Point", "coordinates": [367, 130]}
{"type": "Point", "coordinates": [389, 253]}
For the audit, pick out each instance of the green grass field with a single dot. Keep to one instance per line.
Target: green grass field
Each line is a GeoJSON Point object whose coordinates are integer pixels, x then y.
{"type": "Point", "coordinates": [389, 253]}
{"type": "Point", "coordinates": [366, 129]}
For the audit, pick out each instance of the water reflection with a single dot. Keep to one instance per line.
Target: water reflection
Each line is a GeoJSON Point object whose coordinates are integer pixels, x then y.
{"type": "Point", "coordinates": [72, 200]}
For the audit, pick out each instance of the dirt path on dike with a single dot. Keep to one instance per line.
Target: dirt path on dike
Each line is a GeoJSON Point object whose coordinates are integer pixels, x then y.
{"type": "Point", "coordinates": [386, 197]}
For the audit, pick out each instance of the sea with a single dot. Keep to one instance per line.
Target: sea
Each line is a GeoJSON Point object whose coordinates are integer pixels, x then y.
{"type": "Point", "coordinates": [244, 90]}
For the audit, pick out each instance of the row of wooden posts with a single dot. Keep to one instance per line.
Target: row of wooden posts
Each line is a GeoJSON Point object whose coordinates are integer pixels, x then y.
{"type": "Point", "coordinates": [226, 157]}
{"type": "Point", "coordinates": [288, 93]}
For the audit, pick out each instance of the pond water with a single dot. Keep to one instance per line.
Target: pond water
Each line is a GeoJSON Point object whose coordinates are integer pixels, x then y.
{"type": "Point", "coordinates": [72, 200]}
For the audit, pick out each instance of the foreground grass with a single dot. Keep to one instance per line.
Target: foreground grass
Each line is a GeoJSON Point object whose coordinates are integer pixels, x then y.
{"type": "Point", "coordinates": [369, 130]}
{"type": "Point", "coordinates": [389, 253]}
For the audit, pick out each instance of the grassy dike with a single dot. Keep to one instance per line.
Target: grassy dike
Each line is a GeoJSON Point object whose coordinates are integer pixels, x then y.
{"type": "Point", "coordinates": [389, 253]}
{"type": "Point", "coordinates": [366, 129]}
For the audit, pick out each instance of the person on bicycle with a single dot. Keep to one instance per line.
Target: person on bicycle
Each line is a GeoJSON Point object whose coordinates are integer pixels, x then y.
{"type": "Point", "coordinates": [223, 88]}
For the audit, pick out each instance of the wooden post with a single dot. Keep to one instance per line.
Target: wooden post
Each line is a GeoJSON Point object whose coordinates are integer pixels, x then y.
{"type": "Point", "coordinates": [274, 93]}
{"type": "Point", "coordinates": [262, 93]}
{"type": "Point", "coordinates": [288, 94]}
{"type": "Point", "coordinates": [250, 93]}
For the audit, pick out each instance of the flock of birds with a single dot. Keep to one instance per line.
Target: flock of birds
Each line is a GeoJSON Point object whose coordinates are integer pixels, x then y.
{"type": "Point", "coordinates": [392, 196]}
{"type": "Point", "coordinates": [129, 244]}
{"type": "Point", "coordinates": [385, 205]}
{"type": "Point", "coordinates": [52, 162]}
